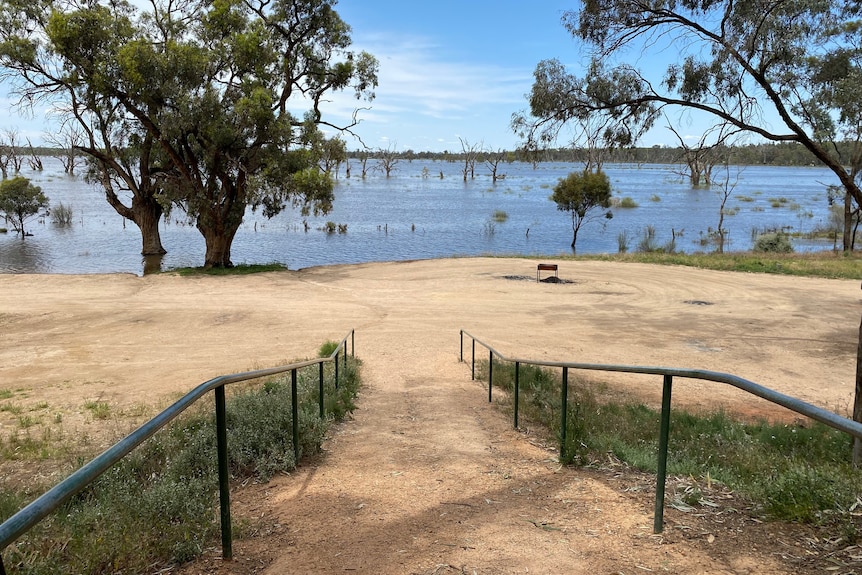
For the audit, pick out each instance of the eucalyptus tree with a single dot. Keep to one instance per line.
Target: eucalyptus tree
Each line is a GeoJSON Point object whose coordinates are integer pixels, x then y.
{"type": "Point", "coordinates": [68, 54]}
{"type": "Point", "coordinates": [586, 196]}
{"type": "Point", "coordinates": [782, 70]}
{"type": "Point", "coordinates": [216, 105]}
{"type": "Point", "coordinates": [20, 200]}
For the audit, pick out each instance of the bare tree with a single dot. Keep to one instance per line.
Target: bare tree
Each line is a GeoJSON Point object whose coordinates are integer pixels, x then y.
{"type": "Point", "coordinates": [702, 158]}
{"type": "Point", "coordinates": [34, 160]}
{"type": "Point", "coordinates": [725, 190]}
{"type": "Point", "coordinates": [16, 158]}
{"type": "Point", "coordinates": [388, 160]}
{"type": "Point", "coordinates": [493, 162]}
{"type": "Point", "coordinates": [68, 140]}
{"type": "Point", "coordinates": [470, 153]}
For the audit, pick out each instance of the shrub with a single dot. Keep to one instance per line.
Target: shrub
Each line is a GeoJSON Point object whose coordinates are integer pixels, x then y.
{"type": "Point", "coordinates": [500, 216]}
{"type": "Point", "coordinates": [62, 215]}
{"type": "Point", "coordinates": [773, 242]}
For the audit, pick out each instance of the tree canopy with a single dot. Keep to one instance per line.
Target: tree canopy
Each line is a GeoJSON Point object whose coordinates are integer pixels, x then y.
{"type": "Point", "coordinates": [209, 105]}
{"type": "Point", "coordinates": [20, 200]}
{"type": "Point", "coordinates": [586, 196]}
{"type": "Point", "coordinates": [781, 70]}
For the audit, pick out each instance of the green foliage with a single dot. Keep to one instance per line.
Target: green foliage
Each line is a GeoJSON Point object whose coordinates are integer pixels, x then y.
{"type": "Point", "coordinates": [623, 242]}
{"type": "Point", "coordinates": [500, 216]}
{"type": "Point", "coordinates": [774, 242]}
{"type": "Point", "coordinates": [821, 264]}
{"type": "Point", "coordinates": [627, 202]}
{"type": "Point", "coordinates": [327, 348]}
{"type": "Point", "coordinates": [799, 472]}
{"type": "Point", "coordinates": [20, 200]}
{"type": "Point", "coordinates": [205, 106]}
{"type": "Point", "coordinates": [158, 506]}
{"type": "Point", "coordinates": [585, 195]}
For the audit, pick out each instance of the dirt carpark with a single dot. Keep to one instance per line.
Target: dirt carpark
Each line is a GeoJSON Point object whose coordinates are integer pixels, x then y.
{"type": "Point", "coordinates": [427, 478]}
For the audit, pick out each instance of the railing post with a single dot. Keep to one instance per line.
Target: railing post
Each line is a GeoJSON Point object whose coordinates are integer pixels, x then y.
{"type": "Point", "coordinates": [345, 357]}
{"type": "Point", "coordinates": [461, 348]}
{"type": "Point", "coordinates": [353, 342]}
{"type": "Point", "coordinates": [564, 408]}
{"type": "Point", "coordinates": [336, 370]}
{"type": "Point", "coordinates": [223, 474]}
{"type": "Point", "coordinates": [517, 387]}
{"type": "Point", "coordinates": [490, 373]}
{"type": "Point", "coordinates": [661, 472]}
{"type": "Point", "coordinates": [320, 392]}
{"type": "Point", "coordinates": [473, 362]}
{"type": "Point", "coordinates": [294, 411]}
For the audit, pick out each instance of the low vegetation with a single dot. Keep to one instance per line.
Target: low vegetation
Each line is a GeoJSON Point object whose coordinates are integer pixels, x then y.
{"type": "Point", "coordinates": [159, 506]}
{"type": "Point", "coordinates": [800, 472]}
{"type": "Point", "coordinates": [834, 265]}
{"type": "Point", "coordinates": [237, 270]}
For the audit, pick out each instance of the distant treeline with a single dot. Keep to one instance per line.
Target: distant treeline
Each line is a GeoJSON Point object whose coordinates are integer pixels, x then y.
{"type": "Point", "coordinates": [777, 154]}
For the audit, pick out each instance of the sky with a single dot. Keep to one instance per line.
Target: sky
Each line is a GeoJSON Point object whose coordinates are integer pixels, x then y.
{"type": "Point", "coordinates": [449, 70]}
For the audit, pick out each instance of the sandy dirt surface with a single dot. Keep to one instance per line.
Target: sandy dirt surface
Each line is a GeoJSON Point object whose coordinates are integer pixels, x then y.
{"type": "Point", "coordinates": [428, 478]}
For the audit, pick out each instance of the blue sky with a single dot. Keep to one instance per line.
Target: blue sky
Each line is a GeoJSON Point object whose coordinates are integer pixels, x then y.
{"type": "Point", "coordinates": [449, 69]}
{"type": "Point", "coordinates": [453, 69]}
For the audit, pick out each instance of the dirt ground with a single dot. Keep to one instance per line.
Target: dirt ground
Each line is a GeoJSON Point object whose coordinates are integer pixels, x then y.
{"type": "Point", "coordinates": [427, 478]}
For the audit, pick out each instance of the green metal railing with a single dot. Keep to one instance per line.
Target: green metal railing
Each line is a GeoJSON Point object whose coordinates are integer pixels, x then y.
{"type": "Point", "coordinates": [29, 516]}
{"type": "Point", "coordinates": [819, 414]}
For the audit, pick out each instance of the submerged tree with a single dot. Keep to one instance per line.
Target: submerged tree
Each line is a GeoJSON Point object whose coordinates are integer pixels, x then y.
{"type": "Point", "coordinates": [586, 196]}
{"type": "Point", "coordinates": [201, 91]}
{"type": "Point", "coordinates": [20, 200]}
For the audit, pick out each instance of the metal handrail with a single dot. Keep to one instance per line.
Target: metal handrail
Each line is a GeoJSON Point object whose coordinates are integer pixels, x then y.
{"type": "Point", "coordinates": [29, 516]}
{"type": "Point", "coordinates": [824, 416]}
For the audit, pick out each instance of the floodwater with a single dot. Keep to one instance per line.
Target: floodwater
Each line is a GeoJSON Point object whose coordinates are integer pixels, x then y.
{"type": "Point", "coordinates": [417, 214]}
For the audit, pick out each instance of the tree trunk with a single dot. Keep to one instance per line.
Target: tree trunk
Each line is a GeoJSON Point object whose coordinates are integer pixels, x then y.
{"type": "Point", "coordinates": [847, 239]}
{"type": "Point", "coordinates": [218, 240]}
{"type": "Point", "coordinates": [857, 404]}
{"type": "Point", "coordinates": [145, 213]}
{"type": "Point", "coordinates": [147, 218]}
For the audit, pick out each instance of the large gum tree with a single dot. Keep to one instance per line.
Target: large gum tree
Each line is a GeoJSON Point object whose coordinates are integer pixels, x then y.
{"type": "Point", "coordinates": [217, 101]}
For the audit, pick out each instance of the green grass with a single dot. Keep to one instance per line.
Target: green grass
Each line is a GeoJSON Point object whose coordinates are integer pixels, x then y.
{"type": "Point", "coordinates": [627, 202]}
{"type": "Point", "coordinates": [822, 264]}
{"type": "Point", "coordinates": [791, 472]}
{"type": "Point", "coordinates": [238, 270]}
{"type": "Point", "coordinates": [100, 410]}
{"type": "Point", "coordinates": [159, 506]}
{"type": "Point", "coordinates": [500, 216]}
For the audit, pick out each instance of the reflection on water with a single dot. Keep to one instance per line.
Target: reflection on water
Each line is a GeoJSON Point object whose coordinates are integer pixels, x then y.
{"type": "Point", "coordinates": [19, 254]}
{"type": "Point", "coordinates": [407, 216]}
{"type": "Point", "coordinates": [153, 264]}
